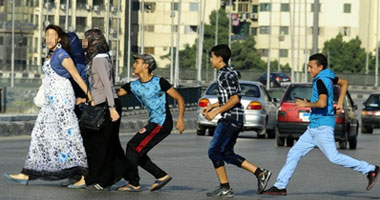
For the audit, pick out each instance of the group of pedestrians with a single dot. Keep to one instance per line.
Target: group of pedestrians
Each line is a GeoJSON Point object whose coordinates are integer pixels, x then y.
{"type": "Point", "coordinates": [61, 149]}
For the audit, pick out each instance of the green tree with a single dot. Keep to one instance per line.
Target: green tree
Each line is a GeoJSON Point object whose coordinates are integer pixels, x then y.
{"type": "Point", "coordinates": [244, 53]}
{"type": "Point", "coordinates": [346, 56]}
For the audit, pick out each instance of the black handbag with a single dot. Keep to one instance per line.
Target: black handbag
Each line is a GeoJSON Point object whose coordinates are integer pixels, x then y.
{"type": "Point", "coordinates": [92, 117]}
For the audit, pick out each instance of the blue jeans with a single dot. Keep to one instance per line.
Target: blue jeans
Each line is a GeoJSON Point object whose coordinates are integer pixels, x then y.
{"type": "Point", "coordinates": [222, 144]}
{"type": "Point", "coordinates": [323, 138]}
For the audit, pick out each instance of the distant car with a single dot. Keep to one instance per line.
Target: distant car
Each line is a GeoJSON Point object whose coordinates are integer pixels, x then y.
{"type": "Point", "coordinates": [259, 109]}
{"type": "Point", "coordinates": [292, 121]}
{"type": "Point", "coordinates": [371, 114]}
{"type": "Point", "coordinates": [277, 79]}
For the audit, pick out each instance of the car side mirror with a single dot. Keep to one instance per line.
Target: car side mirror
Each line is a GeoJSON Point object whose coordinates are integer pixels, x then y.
{"type": "Point", "coordinates": [363, 102]}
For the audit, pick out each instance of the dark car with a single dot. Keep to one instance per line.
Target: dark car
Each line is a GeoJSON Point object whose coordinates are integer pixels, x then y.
{"type": "Point", "coordinates": [371, 114]}
{"type": "Point", "coordinates": [277, 79]}
{"type": "Point", "coordinates": [292, 121]}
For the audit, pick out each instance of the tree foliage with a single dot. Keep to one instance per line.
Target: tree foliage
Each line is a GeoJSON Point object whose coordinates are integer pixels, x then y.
{"type": "Point", "coordinates": [345, 56]}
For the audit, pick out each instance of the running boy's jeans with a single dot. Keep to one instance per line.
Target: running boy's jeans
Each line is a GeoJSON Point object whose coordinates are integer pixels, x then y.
{"type": "Point", "coordinates": [323, 137]}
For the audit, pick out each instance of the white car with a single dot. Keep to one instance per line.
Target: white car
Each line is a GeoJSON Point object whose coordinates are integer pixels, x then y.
{"type": "Point", "coordinates": [260, 109]}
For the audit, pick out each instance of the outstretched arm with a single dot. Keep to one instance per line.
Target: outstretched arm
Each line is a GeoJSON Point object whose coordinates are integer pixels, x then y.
{"type": "Point", "coordinates": [343, 90]}
{"type": "Point", "coordinates": [181, 105]}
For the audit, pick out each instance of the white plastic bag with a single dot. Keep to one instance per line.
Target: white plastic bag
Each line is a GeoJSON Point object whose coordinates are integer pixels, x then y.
{"type": "Point", "coordinates": [39, 99]}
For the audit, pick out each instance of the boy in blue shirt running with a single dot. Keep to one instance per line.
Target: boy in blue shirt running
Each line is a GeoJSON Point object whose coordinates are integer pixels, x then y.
{"type": "Point", "coordinates": [320, 131]}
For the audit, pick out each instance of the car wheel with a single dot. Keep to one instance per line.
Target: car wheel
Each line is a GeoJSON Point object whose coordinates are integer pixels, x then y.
{"type": "Point", "coordinates": [353, 142]}
{"type": "Point", "coordinates": [280, 140]}
{"type": "Point", "coordinates": [201, 130]}
{"type": "Point", "coordinates": [289, 141]}
{"type": "Point", "coordinates": [211, 131]}
{"type": "Point", "coordinates": [272, 133]}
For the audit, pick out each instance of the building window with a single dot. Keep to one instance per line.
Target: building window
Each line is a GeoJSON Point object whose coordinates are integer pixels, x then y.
{"type": "Point", "coordinates": [264, 30]}
{"type": "Point", "coordinates": [345, 31]}
{"type": "Point", "coordinates": [285, 7]}
{"type": "Point", "coordinates": [284, 30]}
{"type": "Point", "coordinates": [255, 8]}
{"type": "Point", "coordinates": [81, 4]}
{"type": "Point", "coordinates": [320, 30]}
{"type": "Point", "coordinates": [1, 40]}
{"type": "Point", "coordinates": [347, 8]}
{"type": "Point", "coordinates": [81, 23]}
{"type": "Point", "coordinates": [264, 52]}
{"type": "Point", "coordinates": [149, 50]}
{"type": "Point", "coordinates": [265, 7]}
{"type": "Point", "coordinates": [243, 8]}
{"type": "Point", "coordinates": [174, 7]}
{"type": "Point", "coordinates": [149, 28]}
{"type": "Point", "coordinates": [98, 22]}
{"type": "Point", "coordinates": [136, 6]}
{"type": "Point", "coordinates": [194, 6]}
{"type": "Point", "coordinates": [254, 31]}
{"type": "Point", "coordinates": [283, 53]}
{"type": "Point", "coordinates": [62, 20]}
{"type": "Point", "coordinates": [312, 7]}
{"type": "Point", "coordinates": [98, 2]}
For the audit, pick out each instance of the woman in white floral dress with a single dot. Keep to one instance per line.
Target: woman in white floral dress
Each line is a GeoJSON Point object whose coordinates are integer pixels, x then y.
{"type": "Point", "coordinates": [56, 149]}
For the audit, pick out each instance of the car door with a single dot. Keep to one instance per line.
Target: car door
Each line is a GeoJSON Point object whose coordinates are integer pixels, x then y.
{"type": "Point", "coordinates": [270, 108]}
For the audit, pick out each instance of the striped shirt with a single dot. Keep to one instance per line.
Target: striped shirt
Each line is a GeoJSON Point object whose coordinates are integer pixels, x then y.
{"type": "Point", "coordinates": [228, 85]}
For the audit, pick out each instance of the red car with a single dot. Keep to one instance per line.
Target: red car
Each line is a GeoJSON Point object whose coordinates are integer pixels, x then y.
{"type": "Point", "coordinates": [292, 121]}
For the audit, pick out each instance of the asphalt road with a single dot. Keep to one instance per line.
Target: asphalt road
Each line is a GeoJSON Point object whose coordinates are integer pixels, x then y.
{"type": "Point", "coordinates": [185, 158]}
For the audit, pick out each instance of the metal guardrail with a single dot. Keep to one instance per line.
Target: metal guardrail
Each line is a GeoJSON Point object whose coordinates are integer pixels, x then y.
{"type": "Point", "coordinates": [191, 96]}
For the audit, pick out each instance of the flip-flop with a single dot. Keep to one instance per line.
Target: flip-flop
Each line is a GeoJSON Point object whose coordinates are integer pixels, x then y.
{"type": "Point", "coordinates": [129, 188]}
{"type": "Point", "coordinates": [159, 184]}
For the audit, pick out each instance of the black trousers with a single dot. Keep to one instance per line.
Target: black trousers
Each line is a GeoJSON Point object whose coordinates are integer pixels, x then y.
{"type": "Point", "coordinates": [140, 145]}
{"type": "Point", "coordinates": [106, 159]}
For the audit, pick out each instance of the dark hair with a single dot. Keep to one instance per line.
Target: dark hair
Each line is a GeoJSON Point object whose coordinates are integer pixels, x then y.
{"type": "Point", "coordinates": [62, 35]}
{"type": "Point", "coordinates": [97, 43]}
{"type": "Point", "coordinates": [320, 59]}
{"type": "Point", "coordinates": [223, 51]}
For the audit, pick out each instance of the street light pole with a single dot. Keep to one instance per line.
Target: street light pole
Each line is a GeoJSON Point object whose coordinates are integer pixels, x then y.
{"type": "Point", "coordinates": [368, 33]}
{"type": "Point", "coordinates": [176, 74]}
{"type": "Point", "coordinates": [13, 44]}
{"type": "Point", "coordinates": [269, 46]}
{"type": "Point", "coordinates": [377, 45]}
{"type": "Point", "coordinates": [315, 26]}
{"type": "Point", "coordinates": [200, 46]}
{"type": "Point", "coordinates": [142, 27]}
{"type": "Point", "coordinates": [172, 43]}
{"type": "Point", "coordinates": [291, 17]}
{"type": "Point", "coordinates": [216, 31]}
{"type": "Point", "coordinates": [306, 50]}
{"type": "Point", "coordinates": [117, 41]}
{"type": "Point", "coordinates": [67, 16]}
{"type": "Point", "coordinates": [129, 41]}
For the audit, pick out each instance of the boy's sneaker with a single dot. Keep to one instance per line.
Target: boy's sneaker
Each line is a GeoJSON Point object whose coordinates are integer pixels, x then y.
{"type": "Point", "coordinates": [372, 178]}
{"type": "Point", "coordinates": [262, 180]}
{"type": "Point", "coordinates": [275, 191]}
{"type": "Point", "coordinates": [221, 192]}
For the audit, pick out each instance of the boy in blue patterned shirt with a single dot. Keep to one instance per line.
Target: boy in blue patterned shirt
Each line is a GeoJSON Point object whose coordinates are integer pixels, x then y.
{"type": "Point", "coordinates": [151, 91]}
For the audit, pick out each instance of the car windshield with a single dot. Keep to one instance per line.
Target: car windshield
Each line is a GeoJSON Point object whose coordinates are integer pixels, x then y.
{"type": "Point", "coordinates": [373, 101]}
{"type": "Point", "coordinates": [304, 92]}
{"type": "Point", "coordinates": [248, 90]}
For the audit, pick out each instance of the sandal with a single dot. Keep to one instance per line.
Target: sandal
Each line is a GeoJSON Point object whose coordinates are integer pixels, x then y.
{"type": "Point", "coordinates": [158, 184]}
{"type": "Point", "coordinates": [130, 188]}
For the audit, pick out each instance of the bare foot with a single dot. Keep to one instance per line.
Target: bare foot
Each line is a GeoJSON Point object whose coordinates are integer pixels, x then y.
{"type": "Point", "coordinates": [80, 182]}
{"type": "Point", "coordinates": [20, 176]}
